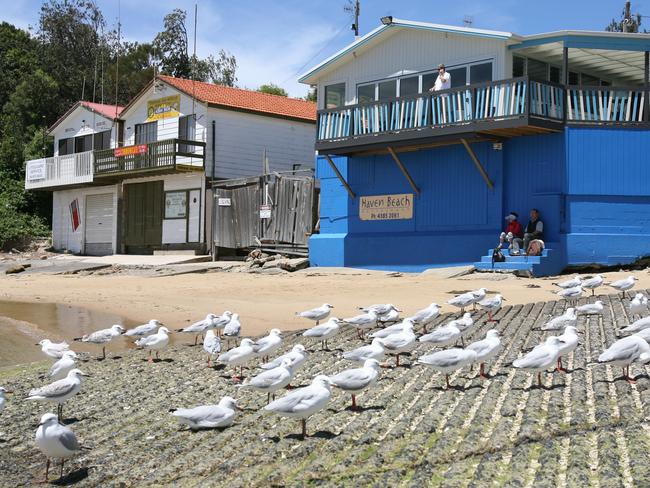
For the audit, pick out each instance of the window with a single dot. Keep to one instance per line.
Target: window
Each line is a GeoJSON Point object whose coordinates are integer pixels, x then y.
{"type": "Point", "coordinates": [83, 143]}
{"type": "Point", "coordinates": [588, 80]}
{"type": "Point", "coordinates": [458, 76]}
{"type": "Point", "coordinates": [102, 140]}
{"type": "Point", "coordinates": [145, 133]}
{"type": "Point", "coordinates": [574, 78]}
{"type": "Point", "coordinates": [387, 89]}
{"type": "Point", "coordinates": [409, 86]}
{"type": "Point", "coordinates": [187, 131]}
{"type": "Point", "coordinates": [480, 73]}
{"type": "Point", "coordinates": [518, 66]}
{"type": "Point", "coordinates": [428, 80]}
{"type": "Point", "coordinates": [555, 74]}
{"type": "Point", "coordinates": [537, 70]}
{"type": "Point", "coordinates": [66, 146]}
{"type": "Point", "coordinates": [366, 93]}
{"type": "Point", "coordinates": [335, 95]}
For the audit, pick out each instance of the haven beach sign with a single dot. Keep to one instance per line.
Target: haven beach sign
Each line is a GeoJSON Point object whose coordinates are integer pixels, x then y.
{"type": "Point", "coordinates": [386, 207]}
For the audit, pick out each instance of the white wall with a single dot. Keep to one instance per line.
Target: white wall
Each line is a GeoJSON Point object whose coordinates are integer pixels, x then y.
{"type": "Point", "coordinates": [63, 236]}
{"type": "Point", "coordinates": [241, 139]}
{"type": "Point", "coordinates": [81, 122]}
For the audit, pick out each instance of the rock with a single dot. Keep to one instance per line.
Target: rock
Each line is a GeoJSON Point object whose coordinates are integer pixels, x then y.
{"type": "Point", "coordinates": [273, 263]}
{"type": "Point", "coordinates": [17, 268]}
{"type": "Point", "coordinates": [293, 264]}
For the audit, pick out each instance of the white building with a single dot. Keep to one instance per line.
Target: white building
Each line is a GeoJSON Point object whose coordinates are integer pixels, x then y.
{"type": "Point", "coordinates": [137, 179]}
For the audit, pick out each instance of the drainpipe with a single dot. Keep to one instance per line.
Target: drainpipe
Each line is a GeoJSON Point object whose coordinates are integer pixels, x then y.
{"type": "Point", "coordinates": [213, 249]}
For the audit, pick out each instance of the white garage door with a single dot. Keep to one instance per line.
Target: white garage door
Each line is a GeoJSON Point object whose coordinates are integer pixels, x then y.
{"type": "Point", "coordinates": [99, 224]}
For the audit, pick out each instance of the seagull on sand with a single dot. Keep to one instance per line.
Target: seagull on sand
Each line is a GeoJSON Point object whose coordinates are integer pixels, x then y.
{"type": "Point", "coordinates": [356, 380]}
{"type": "Point", "coordinates": [265, 346]}
{"type": "Point", "coordinates": [593, 283]}
{"type": "Point", "coordinates": [3, 400]}
{"type": "Point", "coordinates": [103, 337]}
{"type": "Point", "coordinates": [303, 402]}
{"type": "Point", "coordinates": [568, 343]}
{"type": "Point", "coordinates": [63, 366]}
{"type": "Point", "coordinates": [399, 343]}
{"type": "Point", "coordinates": [569, 317]}
{"type": "Point", "coordinates": [448, 360]}
{"type": "Point", "coordinates": [56, 441]}
{"type": "Point", "coordinates": [60, 390]}
{"type": "Point", "coordinates": [426, 315]}
{"type": "Point", "coordinates": [442, 336]}
{"type": "Point", "coordinates": [637, 326]}
{"type": "Point", "coordinates": [625, 351]}
{"type": "Point", "coordinates": [540, 358]}
{"type": "Point", "coordinates": [271, 380]}
{"type": "Point", "coordinates": [53, 349]}
{"type": "Point", "coordinates": [145, 330]}
{"type": "Point", "coordinates": [625, 284]}
{"type": "Point", "coordinates": [363, 321]}
{"type": "Point", "coordinates": [571, 294]}
{"type": "Point", "coordinates": [324, 332]}
{"type": "Point", "coordinates": [238, 356]}
{"type": "Point", "coordinates": [211, 345]}
{"type": "Point", "coordinates": [374, 350]}
{"type": "Point", "coordinates": [463, 300]}
{"type": "Point", "coordinates": [155, 342]}
{"type": "Point", "coordinates": [198, 328]}
{"type": "Point", "coordinates": [572, 283]}
{"type": "Point", "coordinates": [638, 304]}
{"type": "Point", "coordinates": [486, 349]}
{"type": "Point", "coordinates": [208, 416]}
{"type": "Point", "coordinates": [392, 329]}
{"type": "Point", "coordinates": [317, 314]}
{"type": "Point", "coordinates": [595, 308]}
{"type": "Point", "coordinates": [297, 355]}
{"type": "Point", "coordinates": [380, 308]}
{"type": "Point", "coordinates": [491, 305]}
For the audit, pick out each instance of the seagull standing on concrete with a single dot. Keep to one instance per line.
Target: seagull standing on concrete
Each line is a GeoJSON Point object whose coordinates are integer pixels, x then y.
{"type": "Point", "coordinates": [53, 349]}
{"type": "Point", "coordinates": [324, 332]}
{"type": "Point", "coordinates": [491, 305]}
{"type": "Point", "coordinates": [211, 345]}
{"type": "Point", "coordinates": [154, 342]}
{"type": "Point", "coordinates": [637, 326]}
{"type": "Point", "coordinates": [145, 330]}
{"type": "Point", "coordinates": [449, 360]}
{"type": "Point", "coordinates": [465, 324]}
{"type": "Point", "coordinates": [363, 321]}
{"type": "Point", "coordinates": [639, 304]}
{"type": "Point", "coordinates": [569, 317]}
{"type": "Point", "coordinates": [59, 391]}
{"type": "Point", "coordinates": [625, 284]}
{"type": "Point", "coordinates": [265, 346]}
{"type": "Point", "coordinates": [572, 283]}
{"type": "Point", "coordinates": [208, 416]}
{"type": "Point", "coordinates": [478, 295]}
{"type": "Point", "coordinates": [392, 329]}
{"type": "Point", "coordinates": [103, 337]}
{"type": "Point", "coordinates": [238, 356]}
{"type": "Point", "coordinates": [486, 349]}
{"type": "Point", "coordinates": [426, 316]}
{"type": "Point", "coordinates": [198, 328]}
{"type": "Point", "coordinates": [624, 352]}
{"type": "Point", "coordinates": [399, 343]}
{"type": "Point", "coordinates": [571, 294]}
{"type": "Point", "coordinates": [317, 314]}
{"type": "Point", "coordinates": [593, 283]}
{"type": "Point", "coordinates": [222, 321]}
{"type": "Point", "coordinates": [356, 380]}
{"type": "Point", "coordinates": [389, 318]}
{"type": "Point", "coordinates": [442, 336]}
{"type": "Point", "coordinates": [380, 308]}
{"type": "Point", "coordinates": [297, 356]}
{"type": "Point", "coordinates": [595, 308]}
{"type": "Point", "coordinates": [271, 380]}
{"type": "Point", "coordinates": [56, 441]}
{"type": "Point", "coordinates": [540, 358]}
{"type": "Point", "coordinates": [63, 366]}
{"type": "Point", "coordinates": [374, 350]}
{"type": "Point", "coordinates": [568, 343]}
{"type": "Point", "coordinates": [463, 300]}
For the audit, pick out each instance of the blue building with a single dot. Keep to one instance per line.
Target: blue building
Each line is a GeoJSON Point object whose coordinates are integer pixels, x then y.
{"type": "Point", "coordinates": [412, 178]}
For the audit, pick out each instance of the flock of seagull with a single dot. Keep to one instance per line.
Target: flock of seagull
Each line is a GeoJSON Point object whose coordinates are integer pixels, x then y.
{"type": "Point", "coordinates": [58, 441]}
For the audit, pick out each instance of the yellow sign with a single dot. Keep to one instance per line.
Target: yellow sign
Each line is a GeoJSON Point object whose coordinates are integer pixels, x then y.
{"type": "Point", "coordinates": [162, 108]}
{"type": "Point", "coordinates": [386, 207]}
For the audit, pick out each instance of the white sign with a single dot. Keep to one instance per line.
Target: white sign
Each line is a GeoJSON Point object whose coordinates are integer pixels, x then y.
{"type": "Point", "coordinates": [36, 170]}
{"type": "Point", "coordinates": [224, 202]}
{"type": "Point", "coordinates": [265, 211]}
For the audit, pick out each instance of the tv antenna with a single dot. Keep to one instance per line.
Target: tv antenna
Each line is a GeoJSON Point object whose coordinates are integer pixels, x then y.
{"type": "Point", "coordinates": [354, 7]}
{"type": "Point", "coordinates": [468, 20]}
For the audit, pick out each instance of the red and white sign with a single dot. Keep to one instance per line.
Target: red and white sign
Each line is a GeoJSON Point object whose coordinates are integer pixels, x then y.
{"type": "Point", "coordinates": [75, 218]}
{"type": "Point", "coordinates": [130, 150]}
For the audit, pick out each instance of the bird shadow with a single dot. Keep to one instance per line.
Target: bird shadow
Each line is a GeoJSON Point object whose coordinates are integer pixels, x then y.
{"type": "Point", "coordinates": [360, 409]}
{"type": "Point", "coordinates": [159, 360]}
{"type": "Point", "coordinates": [72, 477]}
{"type": "Point", "coordinates": [70, 421]}
{"type": "Point", "coordinates": [623, 378]}
{"type": "Point", "coordinates": [538, 387]}
{"type": "Point", "coordinates": [218, 367]}
{"type": "Point", "coordinates": [116, 357]}
{"type": "Point", "coordinates": [321, 434]}
{"type": "Point", "coordinates": [455, 387]}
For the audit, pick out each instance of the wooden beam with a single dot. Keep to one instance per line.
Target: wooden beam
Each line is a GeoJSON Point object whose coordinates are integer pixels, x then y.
{"type": "Point", "coordinates": [340, 176]}
{"type": "Point", "coordinates": [403, 170]}
{"type": "Point", "coordinates": [478, 164]}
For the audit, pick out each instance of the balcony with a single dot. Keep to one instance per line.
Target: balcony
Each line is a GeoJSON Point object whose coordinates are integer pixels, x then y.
{"type": "Point", "coordinates": [59, 171]}
{"type": "Point", "coordinates": [158, 157]}
{"type": "Point", "coordinates": [496, 109]}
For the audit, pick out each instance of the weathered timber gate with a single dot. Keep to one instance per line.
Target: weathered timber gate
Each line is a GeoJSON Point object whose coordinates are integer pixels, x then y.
{"type": "Point", "coordinates": [275, 210]}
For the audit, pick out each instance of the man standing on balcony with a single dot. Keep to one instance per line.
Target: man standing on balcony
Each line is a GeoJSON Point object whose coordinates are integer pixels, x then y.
{"type": "Point", "coordinates": [443, 81]}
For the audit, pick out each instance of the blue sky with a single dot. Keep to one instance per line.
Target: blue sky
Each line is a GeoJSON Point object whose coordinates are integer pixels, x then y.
{"type": "Point", "coordinates": [275, 41]}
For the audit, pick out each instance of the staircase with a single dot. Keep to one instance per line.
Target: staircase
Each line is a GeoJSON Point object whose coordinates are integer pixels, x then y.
{"type": "Point", "coordinates": [549, 263]}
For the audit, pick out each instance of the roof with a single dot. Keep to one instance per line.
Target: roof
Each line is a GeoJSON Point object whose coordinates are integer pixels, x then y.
{"type": "Point", "coordinates": [248, 100]}
{"type": "Point", "coordinates": [111, 112]}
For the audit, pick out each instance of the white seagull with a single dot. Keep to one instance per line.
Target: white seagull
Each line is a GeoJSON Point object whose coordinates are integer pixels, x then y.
{"type": "Point", "coordinates": [426, 315]}
{"type": "Point", "coordinates": [145, 330]}
{"type": "Point", "coordinates": [625, 351]}
{"type": "Point", "coordinates": [568, 343]}
{"type": "Point", "coordinates": [3, 400]}
{"type": "Point", "coordinates": [442, 336]}
{"type": "Point", "coordinates": [399, 343]}
{"type": "Point", "coordinates": [356, 380]}
{"type": "Point", "coordinates": [271, 380]}
{"type": "Point", "coordinates": [540, 358]}
{"type": "Point", "coordinates": [593, 283]}
{"type": "Point", "coordinates": [198, 328]}
{"type": "Point", "coordinates": [208, 416]}
{"type": "Point", "coordinates": [265, 346]}
{"type": "Point", "coordinates": [317, 314]}
{"type": "Point", "coordinates": [571, 283]}
{"type": "Point", "coordinates": [222, 321]}
{"type": "Point", "coordinates": [491, 305]}
{"type": "Point", "coordinates": [374, 350]}
{"type": "Point", "coordinates": [233, 328]}
{"type": "Point", "coordinates": [449, 360]}
{"type": "Point", "coordinates": [238, 356]}
{"type": "Point", "coordinates": [638, 304]}
{"type": "Point", "coordinates": [571, 294]}
{"type": "Point", "coordinates": [103, 337]}
{"type": "Point", "coordinates": [303, 402]}
{"type": "Point", "coordinates": [391, 317]}
{"type": "Point", "coordinates": [625, 284]}
{"type": "Point", "coordinates": [60, 390]}
{"type": "Point", "coordinates": [392, 329]}
{"type": "Point", "coordinates": [63, 366]}
{"type": "Point", "coordinates": [297, 355]}
{"type": "Point", "coordinates": [595, 308]}
{"type": "Point", "coordinates": [380, 308]}
{"type": "Point", "coordinates": [53, 349]}
{"type": "Point", "coordinates": [478, 295]}
{"type": "Point", "coordinates": [486, 349]}
{"type": "Point", "coordinates": [465, 324]}
{"type": "Point", "coordinates": [154, 342]}
{"type": "Point", "coordinates": [463, 300]}
{"type": "Point", "coordinates": [362, 321]}
{"type": "Point", "coordinates": [569, 317]}
{"type": "Point", "coordinates": [637, 326]}
{"type": "Point", "coordinates": [56, 441]}
{"type": "Point", "coordinates": [324, 332]}
{"type": "Point", "coordinates": [211, 345]}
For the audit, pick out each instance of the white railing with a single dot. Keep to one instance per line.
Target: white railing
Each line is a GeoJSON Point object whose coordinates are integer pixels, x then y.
{"type": "Point", "coordinates": [71, 169]}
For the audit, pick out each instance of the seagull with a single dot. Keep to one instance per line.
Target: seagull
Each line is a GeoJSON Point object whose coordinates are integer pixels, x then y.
{"type": "Point", "coordinates": [372, 351]}
{"type": "Point", "coordinates": [390, 317]}
{"type": "Point", "coordinates": [60, 390]}
{"type": "Point", "coordinates": [269, 344]}
{"type": "Point", "coordinates": [442, 336]}
{"type": "Point", "coordinates": [233, 328]}
{"type": "Point", "coordinates": [486, 349]}
{"type": "Point", "coordinates": [639, 304]}
{"type": "Point", "coordinates": [571, 294]}
{"type": "Point", "coordinates": [317, 314]}
{"type": "Point", "coordinates": [398, 343]}
{"type": "Point", "coordinates": [56, 441]}
{"type": "Point", "coordinates": [463, 300]}
{"type": "Point", "coordinates": [637, 326]}
{"type": "Point", "coordinates": [53, 349]}
{"type": "Point", "coordinates": [540, 358]}
{"type": "Point", "coordinates": [465, 324]}
{"type": "Point", "coordinates": [198, 328]}
{"type": "Point", "coordinates": [145, 330]}
{"type": "Point", "coordinates": [568, 343]}
{"type": "Point", "coordinates": [569, 317]}
{"type": "Point", "coordinates": [155, 342]}
{"type": "Point", "coordinates": [624, 351]}
{"type": "Point", "coordinates": [392, 329]}
{"type": "Point", "coordinates": [324, 332]}
{"type": "Point", "coordinates": [271, 380]}
{"type": "Point", "coordinates": [625, 284]}
{"type": "Point", "coordinates": [358, 379]}
{"type": "Point", "coordinates": [238, 356]}
{"type": "Point", "coordinates": [211, 345]}
{"type": "Point", "coordinates": [491, 305]}
{"type": "Point", "coordinates": [3, 400]}
{"type": "Point", "coordinates": [222, 321]}
{"type": "Point", "coordinates": [208, 416]}
{"type": "Point", "coordinates": [595, 308]}
{"type": "Point", "coordinates": [303, 402]}
{"type": "Point", "coordinates": [644, 334]}
{"type": "Point", "coordinates": [63, 366]}
{"type": "Point", "coordinates": [297, 355]}
{"type": "Point", "coordinates": [380, 308]}
{"type": "Point", "coordinates": [448, 360]}
{"type": "Point", "coordinates": [426, 315]}
{"type": "Point", "coordinates": [572, 283]}
{"type": "Point", "coordinates": [363, 321]}
{"type": "Point", "coordinates": [593, 283]}
{"type": "Point", "coordinates": [103, 337]}
{"type": "Point", "coordinates": [478, 295]}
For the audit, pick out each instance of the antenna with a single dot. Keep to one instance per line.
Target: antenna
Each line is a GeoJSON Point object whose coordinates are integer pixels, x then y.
{"type": "Point", "coordinates": [117, 55]}
{"type": "Point", "coordinates": [354, 7]}
{"type": "Point", "coordinates": [468, 20]}
{"type": "Point", "coordinates": [196, 8]}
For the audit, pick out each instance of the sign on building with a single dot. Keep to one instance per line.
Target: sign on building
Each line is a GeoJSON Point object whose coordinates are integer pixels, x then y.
{"type": "Point", "coordinates": [130, 150]}
{"type": "Point", "coordinates": [224, 202]}
{"type": "Point", "coordinates": [36, 170]}
{"type": "Point", "coordinates": [162, 108]}
{"type": "Point", "coordinates": [175, 204]}
{"type": "Point", "coordinates": [265, 211]}
{"type": "Point", "coordinates": [386, 207]}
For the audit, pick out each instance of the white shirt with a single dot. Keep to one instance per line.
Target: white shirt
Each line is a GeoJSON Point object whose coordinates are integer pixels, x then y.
{"type": "Point", "coordinates": [443, 82]}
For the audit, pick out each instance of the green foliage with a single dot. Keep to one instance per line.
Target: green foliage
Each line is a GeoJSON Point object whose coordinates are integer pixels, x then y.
{"type": "Point", "coordinates": [17, 224]}
{"type": "Point", "coordinates": [273, 89]}
{"type": "Point", "coordinates": [312, 96]}
{"type": "Point", "coordinates": [629, 22]}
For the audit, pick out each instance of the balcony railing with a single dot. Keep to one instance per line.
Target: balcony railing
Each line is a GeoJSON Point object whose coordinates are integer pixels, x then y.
{"type": "Point", "coordinates": [71, 169]}
{"type": "Point", "coordinates": [606, 104]}
{"type": "Point", "coordinates": [153, 156]}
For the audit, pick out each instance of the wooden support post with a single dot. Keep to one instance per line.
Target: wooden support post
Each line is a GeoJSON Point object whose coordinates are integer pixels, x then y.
{"type": "Point", "coordinates": [478, 164]}
{"type": "Point", "coordinates": [340, 176]}
{"type": "Point", "coordinates": [404, 170]}
{"type": "Point", "coordinates": [646, 86]}
{"type": "Point", "coordinates": [565, 81]}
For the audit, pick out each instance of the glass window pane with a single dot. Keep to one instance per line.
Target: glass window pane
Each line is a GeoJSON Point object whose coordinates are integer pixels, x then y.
{"type": "Point", "coordinates": [537, 70]}
{"type": "Point", "coordinates": [145, 133]}
{"type": "Point", "coordinates": [480, 73]}
{"type": "Point", "coordinates": [588, 80]}
{"type": "Point", "coordinates": [409, 86]}
{"type": "Point", "coordinates": [458, 76]}
{"type": "Point", "coordinates": [366, 93]}
{"type": "Point", "coordinates": [554, 74]}
{"type": "Point", "coordinates": [335, 95]}
{"type": "Point", "coordinates": [428, 80]}
{"type": "Point", "coordinates": [518, 66]}
{"type": "Point", "coordinates": [65, 146]}
{"type": "Point", "coordinates": [574, 78]}
{"type": "Point", "coordinates": [83, 143]}
{"type": "Point", "coordinates": [387, 89]}
{"type": "Point", "coordinates": [102, 140]}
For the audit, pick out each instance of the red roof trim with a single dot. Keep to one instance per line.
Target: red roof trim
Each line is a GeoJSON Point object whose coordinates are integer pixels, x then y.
{"type": "Point", "coordinates": [102, 109]}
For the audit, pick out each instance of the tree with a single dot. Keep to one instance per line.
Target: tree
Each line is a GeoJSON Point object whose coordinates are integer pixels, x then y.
{"type": "Point", "coordinates": [312, 96]}
{"type": "Point", "coordinates": [136, 69]}
{"type": "Point", "coordinates": [629, 22]}
{"type": "Point", "coordinates": [273, 89]}
{"type": "Point", "coordinates": [18, 58]}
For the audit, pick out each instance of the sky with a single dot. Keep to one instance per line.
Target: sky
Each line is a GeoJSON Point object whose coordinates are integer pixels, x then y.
{"type": "Point", "coordinates": [276, 41]}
